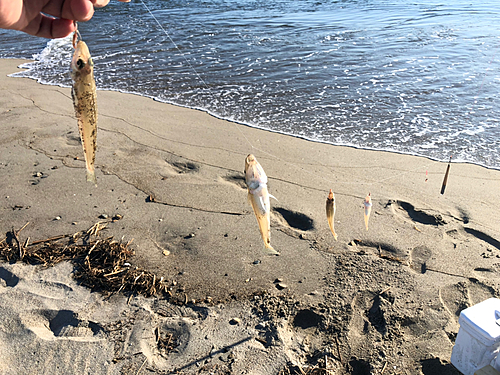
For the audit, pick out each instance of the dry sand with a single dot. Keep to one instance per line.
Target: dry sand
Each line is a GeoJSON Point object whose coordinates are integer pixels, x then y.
{"type": "Point", "coordinates": [385, 300]}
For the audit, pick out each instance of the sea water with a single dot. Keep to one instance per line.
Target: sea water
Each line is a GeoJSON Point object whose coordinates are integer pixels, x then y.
{"type": "Point", "coordinates": [418, 77]}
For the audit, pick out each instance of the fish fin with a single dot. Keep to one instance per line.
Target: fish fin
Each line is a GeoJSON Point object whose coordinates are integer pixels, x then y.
{"type": "Point", "coordinates": [272, 196]}
{"type": "Point", "coordinates": [91, 177]}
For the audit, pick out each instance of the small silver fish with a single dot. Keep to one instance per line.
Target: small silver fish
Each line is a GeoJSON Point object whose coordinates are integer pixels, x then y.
{"type": "Point", "coordinates": [85, 101]}
{"type": "Point", "coordinates": [258, 195]}
{"type": "Point", "coordinates": [368, 208]}
{"type": "Point", "coordinates": [330, 212]}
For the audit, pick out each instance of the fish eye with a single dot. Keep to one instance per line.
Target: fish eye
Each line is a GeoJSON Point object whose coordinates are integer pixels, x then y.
{"type": "Point", "coordinates": [80, 64]}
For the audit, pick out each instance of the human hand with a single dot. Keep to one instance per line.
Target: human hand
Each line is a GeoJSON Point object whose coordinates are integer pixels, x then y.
{"type": "Point", "coordinates": [34, 16]}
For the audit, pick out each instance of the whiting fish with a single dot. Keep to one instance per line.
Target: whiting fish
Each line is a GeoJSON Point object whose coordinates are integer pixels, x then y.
{"type": "Point", "coordinates": [258, 195]}
{"type": "Point", "coordinates": [85, 102]}
{"type": "Point", "coordinates": [330, 212]}
{"type": "Point", "coordinates": [368, 208]}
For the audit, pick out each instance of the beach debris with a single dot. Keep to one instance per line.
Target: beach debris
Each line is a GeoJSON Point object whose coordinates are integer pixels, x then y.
{"type": "Point", "coordinates": [426, 176]}
{"type": "Point", "coordinates": [100, 264]}
{"type": "Point", "coordinates": [85, 102]}
{"type": "Point", "coordinates": [330, 212]}
{"type": "Point", "coordinates": [338, 349]}
{"type": "Point", "coordinates": [384, 290]}
{"type": "Point", "coordinates": [368, 208]}
{"type": "Point", "coordinates": [445, 180]}
{"type": "Point", "coordinates": [166, 341]}
{"type": "Point", "coordinates": [256, 181]}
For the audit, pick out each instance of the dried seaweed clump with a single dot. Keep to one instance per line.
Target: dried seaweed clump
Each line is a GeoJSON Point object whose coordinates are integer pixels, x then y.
{"type": "Point", "coordinates": [100, 264]}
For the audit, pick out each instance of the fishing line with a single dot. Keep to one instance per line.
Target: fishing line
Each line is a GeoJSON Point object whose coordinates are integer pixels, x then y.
{"type": "Point", "coordinates": [246, 138]}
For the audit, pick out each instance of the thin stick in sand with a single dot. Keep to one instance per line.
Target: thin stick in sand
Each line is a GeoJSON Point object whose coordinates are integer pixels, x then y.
{"type": "Point", "coordinates": [445, 180]}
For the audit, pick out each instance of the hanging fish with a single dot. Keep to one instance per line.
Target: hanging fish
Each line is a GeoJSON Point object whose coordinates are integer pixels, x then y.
{"type": "Point", "coordinates": [256, 181]}
{"type": "Point", "coordinates": [330, 212]}
{"type": "Point", "coordinates": [368, 208]}
{"type": "Point", "coordinates": [445, 180]}
{"type": "Point", "coordinates": [85, 102]}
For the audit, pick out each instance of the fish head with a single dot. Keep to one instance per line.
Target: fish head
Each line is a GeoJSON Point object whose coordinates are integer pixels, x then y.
{"type": "Point", "coordinates": [330, 195]}
{"type": "Point", "coordinates": [368, 201]}
{"type": "Point", "coordinates": [254, 173]}
{"type": "Point", "coordinates": [250, 160]}
{"type": "Point", "coordinates": [82, 63]}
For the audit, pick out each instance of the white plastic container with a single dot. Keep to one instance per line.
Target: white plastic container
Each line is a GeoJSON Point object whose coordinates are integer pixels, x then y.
{"type": "Point", "coordinates": [478, 339]}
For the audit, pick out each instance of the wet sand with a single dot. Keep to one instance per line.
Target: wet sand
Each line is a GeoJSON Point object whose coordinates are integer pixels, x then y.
{"type": "Point", "coordinates": [383, 300]}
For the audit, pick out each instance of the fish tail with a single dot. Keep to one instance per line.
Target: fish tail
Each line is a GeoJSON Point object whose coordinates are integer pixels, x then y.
{"type": "Point", "coordinates": [264, 223]}
{"type": "Point", "coordinates": [269, 249]}
{"type": "Point", "coordinates": [334, 234]}
{"type": "Point", "coordinates": [91, 177]}
{"type": "Point", "coordinates": [330, 224]}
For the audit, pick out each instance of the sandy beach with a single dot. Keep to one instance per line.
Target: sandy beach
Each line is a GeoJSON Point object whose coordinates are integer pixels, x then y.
{"type": "Point", "coordinates": [382, 301]}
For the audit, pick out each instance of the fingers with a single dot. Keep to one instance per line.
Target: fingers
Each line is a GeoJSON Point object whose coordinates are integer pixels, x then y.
{"type": "Point", "coordinates": [103, 3]}
{"type": "Point", "coordinates": [100, 3]}
{"type": "Point", "coordinates": [78, 10]}
{"type": "Point", "coordinates": [48, 27]}
{"type": "Point", "coordinates": [66, 11]}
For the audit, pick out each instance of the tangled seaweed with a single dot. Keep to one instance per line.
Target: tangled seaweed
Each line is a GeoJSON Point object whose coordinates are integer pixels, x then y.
{"type": "Point", "coordinates": [100, 264]}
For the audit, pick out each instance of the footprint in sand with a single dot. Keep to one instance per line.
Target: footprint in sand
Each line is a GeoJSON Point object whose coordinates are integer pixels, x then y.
{"type": "Point", "coordinates": [307, 318]}
{"type": "Point", "coordinates": [61, 324]}
{"type": "Point", "coordinates": [483, 237]}
{"type": "Point", "coordinates": [419, 257]}
{"type": "Point", "coordinates": [73, 139]}
{"type": "Point", "coordinates": [408, 211]}
{"type": "Point", "coordinates": [368, 311]}
{"type": "Point", "coordinates": [294, 219]}
{"type": "Point", "coordinates": [459, 296]}
{"type": "Point", "coordinates": [383, 250]}
{"type": "Point", "coordinates": [185, 167]}
{"type": "Point", "coordinates": [8, 277]}
{"type": "Point", "coordinates": [455, 234]}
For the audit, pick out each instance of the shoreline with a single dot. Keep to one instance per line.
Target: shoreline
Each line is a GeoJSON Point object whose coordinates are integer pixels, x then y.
{"type": "Point", "coordinates": [258, 127]}
{"type": "Point", "coordinates": [388, 297]}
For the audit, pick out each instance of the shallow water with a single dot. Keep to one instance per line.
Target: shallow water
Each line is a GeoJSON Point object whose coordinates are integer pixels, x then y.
{"type": "Point", "coordinates": [406, 76]}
